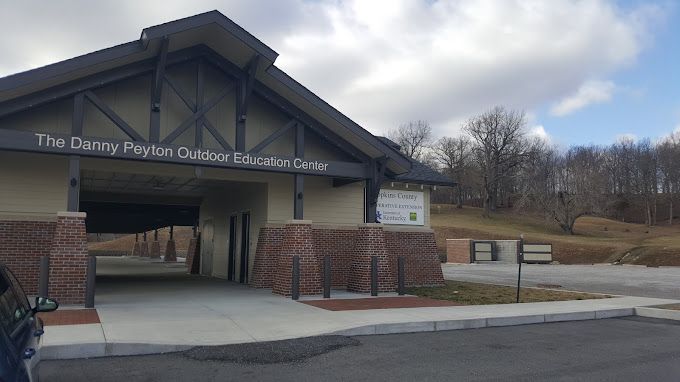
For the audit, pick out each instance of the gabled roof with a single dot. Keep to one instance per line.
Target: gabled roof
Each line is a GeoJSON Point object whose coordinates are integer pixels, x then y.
{"type": "Point", "coordinates": [226, 38]}
{"type": "Point", "coordinates": [420, 173]}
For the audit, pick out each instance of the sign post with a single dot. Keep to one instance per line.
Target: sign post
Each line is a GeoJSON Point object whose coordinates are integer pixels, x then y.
{"type": "Point", "coordinates": [520, 259]}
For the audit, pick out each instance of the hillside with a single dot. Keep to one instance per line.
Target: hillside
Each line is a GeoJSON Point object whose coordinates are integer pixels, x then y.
{"type": "Point", "coordinates": [597, 240]}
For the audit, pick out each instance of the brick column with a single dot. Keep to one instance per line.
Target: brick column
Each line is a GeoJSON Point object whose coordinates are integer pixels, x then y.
{"type": "Point", "coordinates": [68, 259]}
{"type": "Point", "coordinates": [458, 251]}
{"type": "Point", "coordinates": [370, 242]}
{"type": "Point", "coordinates": [155, 252]}
{"type": "Point", "coordinates": [144, 248]}
{"type": "Point", "coordinates": [170, 251]}
{"type": "Point", "coordinates": [136, 250]}
{"type": "Point", "coordinates": [297, 240]}
{"type": "Point", "coordinates": [266, 256]}
{"type": "Point", "coordinates": [191, 254]}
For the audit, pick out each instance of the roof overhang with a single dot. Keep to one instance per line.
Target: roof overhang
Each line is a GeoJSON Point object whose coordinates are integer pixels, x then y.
{"type": "Point", "coordinates": [227, 39]}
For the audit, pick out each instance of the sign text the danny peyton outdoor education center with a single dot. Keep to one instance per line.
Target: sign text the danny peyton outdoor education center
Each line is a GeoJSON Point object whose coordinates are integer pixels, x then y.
{"type": "Point", "coordinates": [137, 150]}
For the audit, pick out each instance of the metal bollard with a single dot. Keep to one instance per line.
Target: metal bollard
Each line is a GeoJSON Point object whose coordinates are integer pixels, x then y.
{"type": "Point", "coordinates": [401, 265]}
{"type": "Point", "coordinates": [44, 281]}
{"type": "Point", "coordinates": [90, 284]}
{"type": "Point", "coordinates": [327, 277]}
{"type": "Point", "coordinates": [374, 275]}
{"type": "Point", "coordinates": [295, 288]}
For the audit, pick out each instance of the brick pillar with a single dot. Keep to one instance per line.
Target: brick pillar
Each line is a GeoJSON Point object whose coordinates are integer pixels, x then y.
{"type": "Point", "coordinates": [297, 240]}
{"type": "Point", "coordinates": [144, 248]}
{"type": "Point", "coordinates": [155, 252]}
{"type": "Point", "coordinates": [266, 256]}
{"type": "Point", "coordinates": [459, 251]}
{"type": "Point", "coordinates": [68, 259]}
{"type": "Point", "coordinates": [191, 254]}
{"type": "Point", "coordinates": [370, 242]}
{"type": "Point", "coordinates": [170, 251]}
{"type": "Point", "coordinates": [136, 250]}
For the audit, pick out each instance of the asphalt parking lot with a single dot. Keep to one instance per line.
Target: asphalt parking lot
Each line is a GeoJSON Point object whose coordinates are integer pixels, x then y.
{"type": "Point", "coordinates": [614, 349]}
{"type": "Point", "coordinates": [639, 281]}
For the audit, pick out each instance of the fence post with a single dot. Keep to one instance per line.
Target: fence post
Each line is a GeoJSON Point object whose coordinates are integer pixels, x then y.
{"type": "Point", "coordinates": [44, 281]}
{"type": "Point", "coordinates": [400, 276]}
{"type": "Point", "coordinates": [327, 276]}
{"type": "Point", "coordinates": [374, 275]}
{"type": "Point", "coordinates": [91, 278]}
{"type": "Point", "coordinates": [295, 287]}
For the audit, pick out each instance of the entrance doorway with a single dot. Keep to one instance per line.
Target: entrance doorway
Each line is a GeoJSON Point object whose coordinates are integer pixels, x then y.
{"type": "Point", "coordinates": [231, 264]}
{"type": "Point", "coordinates": [245, 246]}
{"type": "Point", "coordinates": [207, 247]}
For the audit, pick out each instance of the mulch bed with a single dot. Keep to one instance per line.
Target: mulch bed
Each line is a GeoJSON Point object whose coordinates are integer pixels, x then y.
{"type": "Point", "coordinates": [378, 303]}
{"type": "Point", "coordinates": [70, 317]}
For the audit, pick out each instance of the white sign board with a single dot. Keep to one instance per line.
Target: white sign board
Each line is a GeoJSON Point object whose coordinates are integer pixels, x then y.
{"type": "Point", "coordinates": [401, 207]}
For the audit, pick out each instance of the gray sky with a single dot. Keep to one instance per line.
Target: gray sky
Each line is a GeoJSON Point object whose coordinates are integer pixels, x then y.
{"type": "Point", "coordinates": [385, 62]}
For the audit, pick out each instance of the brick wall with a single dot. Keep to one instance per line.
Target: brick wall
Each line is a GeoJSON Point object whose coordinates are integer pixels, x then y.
{"type": "Point", "coordinates": [68, 259]}
{"type": "Point", "coordinates": [21, 245]}
{"type": "Point", "coordinates": [458, 250]}
{"type": "Point", "coordinates": [339, 243]}
{"type": "Point", "coordinates": [419, 249]}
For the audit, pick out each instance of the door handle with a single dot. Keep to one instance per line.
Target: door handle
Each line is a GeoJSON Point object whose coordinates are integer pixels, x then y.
{"type": "Point", "coordinates": [29, 353]}
{"type": "Point", "coordinates": [38, 333]}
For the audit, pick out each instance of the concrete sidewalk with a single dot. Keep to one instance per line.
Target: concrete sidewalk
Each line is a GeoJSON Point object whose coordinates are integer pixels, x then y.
{"type": "Point", "coordinates": [143, 314]}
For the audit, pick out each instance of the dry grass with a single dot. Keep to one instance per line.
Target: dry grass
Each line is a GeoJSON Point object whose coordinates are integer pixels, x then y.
{"type": "Point", "coordinates": [669, 306]}
{"type": "Point", "coordinates": [484, 294]}
{"type": "Point", "coordinates": [125, 243]}
{"type": "Point", "coordinates": [597, 240]}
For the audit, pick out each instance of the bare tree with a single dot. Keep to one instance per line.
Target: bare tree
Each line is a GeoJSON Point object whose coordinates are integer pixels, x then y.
{"type": "Point", "coordinates": [500, 147]}
{"type": "Point", "coordinates": [454, 156]}
{"type": "Point", "coordinates": [413, 138]}
{"type": "Point", "coordinates": [564, 186]}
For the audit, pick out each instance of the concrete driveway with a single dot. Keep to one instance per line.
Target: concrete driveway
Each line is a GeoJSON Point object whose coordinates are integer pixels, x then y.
{"type": "Point", "coordinates": [639, 281]}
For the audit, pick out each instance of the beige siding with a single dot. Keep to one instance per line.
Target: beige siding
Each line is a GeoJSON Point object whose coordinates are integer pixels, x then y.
{"type": "Point", "coordinates": [32, 184]}
{"type": "Point", "coordinates": [53, 117]}
{"type": "Point", "coordinates": [325, 204]}
{"type": "Point", "coordinates": [218, 206]}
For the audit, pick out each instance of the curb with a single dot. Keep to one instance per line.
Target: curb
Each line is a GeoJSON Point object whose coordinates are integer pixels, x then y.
{"type": "Point", "coordinates": [666, 314]}
{"type": "Point", "coordinates": [101, 349]}
{"type": "Point", "coordinates": [477, 323]}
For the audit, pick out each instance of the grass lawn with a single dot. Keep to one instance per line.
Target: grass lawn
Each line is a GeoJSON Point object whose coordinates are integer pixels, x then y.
{"type": "Point", "coordinates": [597, 240]}
{"type": "Point", "coordinates": [483, 294]}
{"type": "Point", "coordinates": [669, 306]}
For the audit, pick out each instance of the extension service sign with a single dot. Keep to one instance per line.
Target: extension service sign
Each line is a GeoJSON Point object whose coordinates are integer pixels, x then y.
{"type": "Point", "coordinates": [401, 207]}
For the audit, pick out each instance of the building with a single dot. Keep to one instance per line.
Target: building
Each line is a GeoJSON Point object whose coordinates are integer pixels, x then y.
{"type": "Point", "coordinates": [191, 123]}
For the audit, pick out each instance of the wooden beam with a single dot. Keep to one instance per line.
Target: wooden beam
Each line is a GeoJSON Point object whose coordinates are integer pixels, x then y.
{"type": "Point", "coordinates": [200, 92]}
{"type": "Point", "coordinates": [197, 115]}
{"type": "Point", "coordinates": [117, 120]}
{"type": "Point", "coordinates": [73, 200]}
{"type": "Point", "coordinates": [157, 90]}
{"type": "Point", "coordinates": [274, 136]}
{"type": "Point", "coordinates": [245, 90]}
{"type": "Point", "coordinates": [216, 134]}
{"type": "Point", "coordinates": [182, 95]}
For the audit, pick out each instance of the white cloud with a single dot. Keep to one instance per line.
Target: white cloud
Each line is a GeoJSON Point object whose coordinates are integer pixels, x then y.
{"type": "Point", "coordinates": [626, 137]}
{"type": "Point", "coordinates": [591, 92]}
{"type": "Point", "coordinates": [381, 62]}
{"type": "Point", "coordinates": [539, 132]}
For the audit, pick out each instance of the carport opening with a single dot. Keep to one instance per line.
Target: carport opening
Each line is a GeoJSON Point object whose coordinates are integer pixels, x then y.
{"type": "Point", "coordinates": [158, 232]}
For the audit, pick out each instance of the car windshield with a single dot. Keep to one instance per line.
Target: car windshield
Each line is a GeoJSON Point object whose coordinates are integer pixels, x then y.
{"type": "Point", "coordinates": [13, 303]}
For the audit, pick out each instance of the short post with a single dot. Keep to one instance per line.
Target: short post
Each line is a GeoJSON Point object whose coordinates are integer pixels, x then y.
{"type": "Point", "coordinates": [155, 234]}
{"type": "Point", "coordinates": [144, 235]}
{"type": "Point", "coordinates": [520, 259]}
{"type": "Point", "coordinates": [172, 232]}
{"type": "Point", "coordinates": [193, 230]}
{"type": "Point", "coordinates": [295, 287]}
{"type": "Point", "coordinates": [137, 237]}
{"type": "Point", "coordinates": [44, 282]}
{"type": "Point", "coordinates": [327, 276]}
{"type": "Point", "coordinates": [90, 284]}
{"type": "Point", "coordinates": [374, 275]}
{"type": "Point", "coordinates": [400, 275]}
